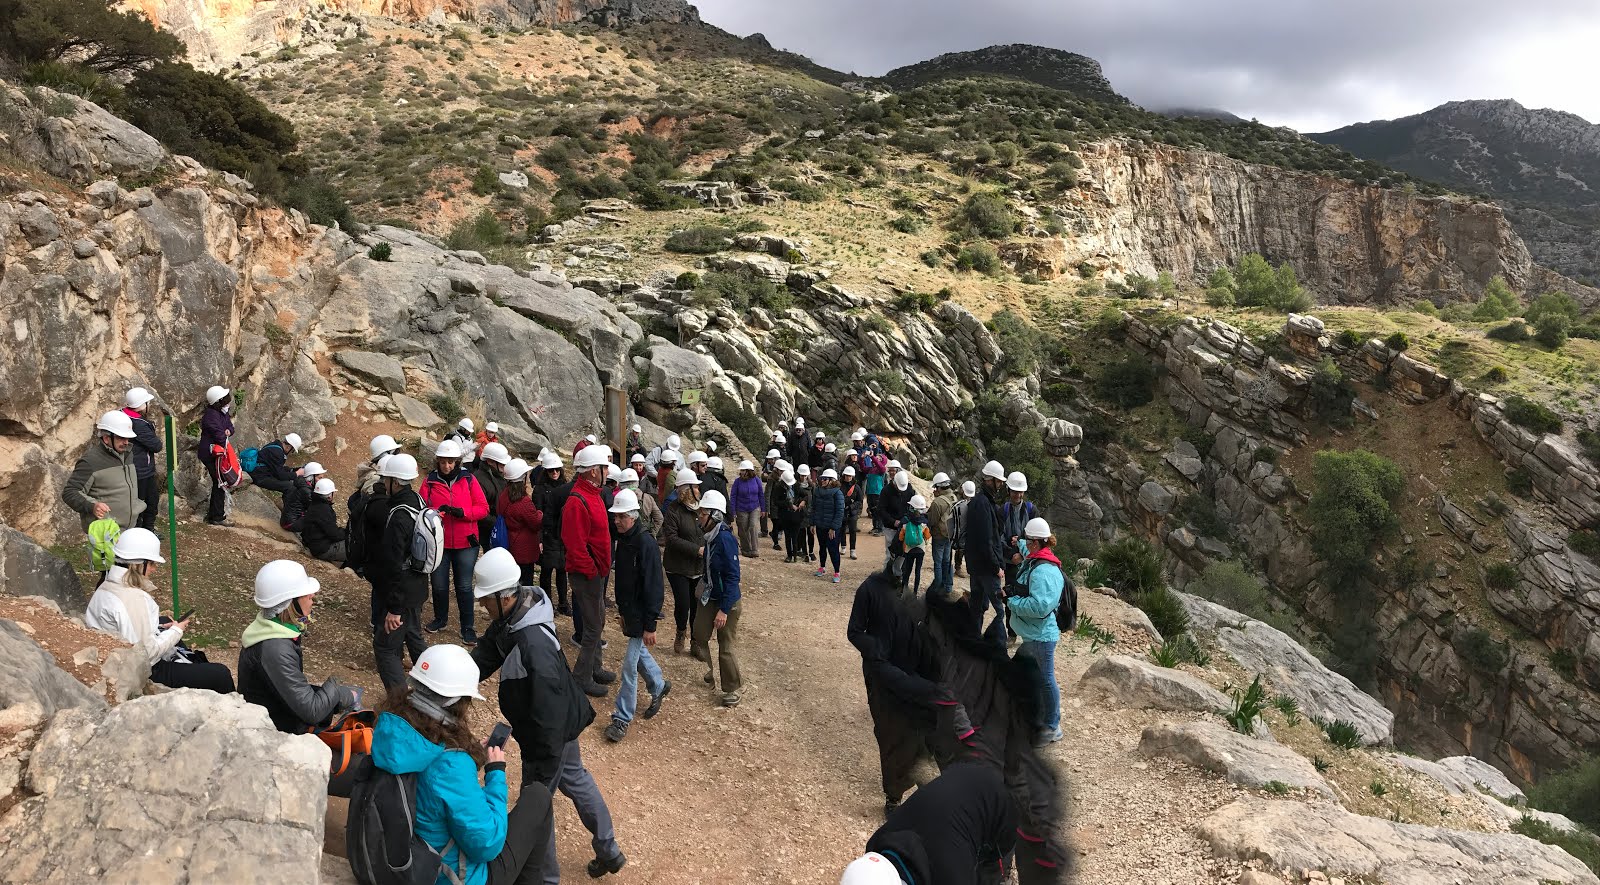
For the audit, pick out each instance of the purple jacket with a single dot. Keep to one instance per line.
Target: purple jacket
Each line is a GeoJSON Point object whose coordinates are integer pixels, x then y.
{"type": "Point", "coordinates": [748, 495]}
{"type": "Point", "coordinates": [214, 430]}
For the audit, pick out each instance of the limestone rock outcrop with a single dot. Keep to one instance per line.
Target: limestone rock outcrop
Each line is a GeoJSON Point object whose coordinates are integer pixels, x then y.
{"type": "Point", "coordinates": [82, 145]}
{"type": "Point", "coordinates": [1249, 761]}
{"type": "Point", "coordinates": [1134, 683]}
{"type": "Point", "coordinates": [26, 569]}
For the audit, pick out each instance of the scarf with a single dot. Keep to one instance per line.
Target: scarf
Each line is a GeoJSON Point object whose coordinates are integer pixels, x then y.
{"type": "Point", "coordinates": [705, 565]}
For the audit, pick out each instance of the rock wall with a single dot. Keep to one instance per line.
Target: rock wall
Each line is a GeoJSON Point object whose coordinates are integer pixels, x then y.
{"type": "Point", "coordinates": [1148, 208]}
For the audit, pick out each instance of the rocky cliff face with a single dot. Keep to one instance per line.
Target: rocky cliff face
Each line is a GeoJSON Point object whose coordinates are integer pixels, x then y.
{"type": "Point", "coordinates": [1144, 209]}
{"type": "Point", "coordinates": [218, 32]}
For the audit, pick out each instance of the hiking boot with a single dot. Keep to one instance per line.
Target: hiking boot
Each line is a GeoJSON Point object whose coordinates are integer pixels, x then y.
{"type": "Point", "coordinates": [604, 676]}
{"type": "Point", "coordinates": [730, 699]}
{"type": "Point", "coordinates": [655, 702]}
{"type": "Point", "coordinates": [710, 678]}
{"type": "Point", "coordinates": [616, 731]}
{"type": "Point", "coordinates": [593, 689]}
{"type": "Point", "coordinates": [889, 805]}
{"type": "Point", "coordinates": [678, 643]}
{"type": "Point", "coordinates": [601, 866]}
{"type": "Point", "coordinates": [434, 626]}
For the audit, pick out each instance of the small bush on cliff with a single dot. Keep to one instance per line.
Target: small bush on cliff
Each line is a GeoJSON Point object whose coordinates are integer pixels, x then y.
{"type": "Point", "coordinates": [1584, 542]}
{"type": "Point", "coordinates": [1500, 575]}
{"type": "Point", "coordinates": [1343, 734]}
{"type": "Point", "coordinates": [1482, 652]}
{"type": "Point", "coordinates": [1352, 500]}
{"type": "Point", "coordinates": [746, 426]}
{"type": "Point", "coordinates": [1257, 284]}
{"type": "Point", "coordinates": [1498, 302]}
{"type": "Point", "coordinates": [1514, 331]}
{"type": "Point", "coordinates": [1534, 416]}
{"type": "Point", "coordinates": [987, 216]}
{"type": "Point", "coordinates": [1399, 342]}
{"type": "Point", "coordinates": [380, 252]}
{"type": "Point", "coordinates": [1131, 566]}
{"type": "Point", "coordinates": [1553, 330]}
{"type": "Point", "coordinates": [1127, 383]}
{"type": "Point", "coordinates": [702, 239]}
{"type": "Point", "coordinates": [1228, 584]}
{"type": "Point", "coordinates": [1574, 792]}
{"type": "Point", "coordinates": [1581, 845]}
{"type": "Point", "coordinates": [1330, 394]}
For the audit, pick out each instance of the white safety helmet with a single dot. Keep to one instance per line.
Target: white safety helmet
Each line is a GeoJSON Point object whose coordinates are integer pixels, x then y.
{"type": "Point", "coordinates": [777, 436]}
{"type": "Point", "coordinates": [216, 394]}
{"type": "Point", "coordinates": [698, 457]}
{"type": "Point", "coordinates": [849, 472]}
{"type": "Point", "coordinates": [687, 477]}
{"type": "Point", "coordinates": [711, 446]}
{"type": "Point", "coordinates": [466, 424]}
{"type": "Point", "coordinates": [550, 461]}
{"type": "Point", "coordinates": [674, 443]}
{"type": "Point", "coordinates": [1037, 529]}
{"type": "Point", "coordinates": [626, 501]}
{"type": "Point", "coordinates": [747, 465]}
{"type": "Point", "coordinates": [591, 456]}
{"type": "Point", "coordinates": [449, 672]}
{"type": "Point", "coordinates": [862, 432]}
{"type": "Point", "coordinates": [714, 501]}
{"type": "Point", "coordinates": [382, 444]}
{"type": "Point", "coordinates": [902, 480]}
{"type": "Point", "coordinates": [940, 480]}
{"type": "Point", "coordinates": [497, 453]}
{"type": "Point", "coordinates": [496, 572]}
{"type": "Point", "coordinates": [893, 465]}
{"type": "Point", "coordinates": [800, 422]}
{"type": "Point", "coordinates": [787, 478]}
{"type": "Point", "coordinates": [515, 470]}
{"type": "Point", "coordinates": [629, 475]}
{"type": "Point", "coordinates": [1016, 482]}
{"type": "Point", "coordinates": [282, 580]}
{"type": "Point", "coordinates": [311, 469]}
{"type": "Point", "coordinates": [782, 465]}
{"type": "Point", "coordinates": [714, 463]}
{"type": "Point", "coordinates": [804, 470]}
{"type": "Point", "coordinates": [292, 440]}
{"type": "Point", "coordinates": [636, 459]}
{"type": "Point", "coordinates": [820, 435]}
{"type": "Point", "coordinates": [137, 398]}
{"type": "Point", "coordinates": [613, 473]}
{"type": "Point", "coordinates": [774, 454]}
{"type": "Point", "coordinates": [871, 868]}
{"type": "Point", "coordinates": [830, 448]}
{"type": "Point", "coordinates": [324, 486]}
{"type": "Point", "coordinates": [492, 427]}
{"type": "Point", "coordinates": [830, 474]}
{"type": "Point", "coordinates": [994, 470]}
{"type": "Point", "coordinates": [858, 436]}
{"type": "Point", "coordinates": [137, 545]}
{"type": "Point", "coordinates": [637, 429]}
{"type": "Point", "coordinates": [592, 440]}
{"type": "Point", "coordinates": [919, 503]}
{"type": "Point", "coordinates": [401, 466]}
{"type": "Point", "coordinates": [448, 449]}
{"type": "Point", "coordinates": [116, 423]}
{"type": "Point", "coordinates": [968, 489]}
{"type": "Point", "coordinates": [671, 457]}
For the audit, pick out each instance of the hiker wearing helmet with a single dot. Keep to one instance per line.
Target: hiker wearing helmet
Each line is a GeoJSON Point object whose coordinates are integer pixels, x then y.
{"type": "Point", "coordinates": [650, 515]}
{"type": "Point", "coordinates": [216, 427]}
{"type": "Point", "coordinates": [122, 606]}
{"type": "Point", "coordinates": [683, 553]}
{"type": "Point", "coordinates": [666, 469]}
{"type": "Point", "coordinates": [799, 444]}
{"type": "Point", "coordinates": [464, 436]}
{"type": "Point", "coordinates": [714, 479]}
{"type": "Point", "coordinates": [367, 471]}
{"type": "Point", "coordinates": [850, 485]}
{"type": "Point", "coordinates": [424, 730]}
{"type": "Point", "coordinates": [639, 597]}
{"type": "Point", "coordinates": [817, 455]}
{"type": "Point", "coordinates": [398, 588]}
{"type": "Point", "coordinates": [272, 471]}
{"type": "Point", "coordinates": [549, 493]}
{"type": "Point", "coordinates": [958, 532]}
{"type": "Point", "coordinates": [320, 531]}
{"type": "Point", "coordinates": [461, 503]}
{"type": "Point", "coordinates": [749, 500]}
{"type": "Point", "coordinates": [586, 537]}
{"type": "Point", "coordinates": [806, 537]}
{"type": "Point", "coordinates": [939, 530]}
{"type": "Point", "coordinates": [489, 434]}
{"type": "Point", "coordinates": [828, 513]}
{"type": "Point", "coordinates": [717, 603]}
{"type": "Point", "coordinates": [524, 521]}
{"type": "Point", "coordinates": [986, 548]}
{"type": "Point", "coordinates": [913, 538]}
{"type": "Point", "coordinates": [634, 445]}
{"type": "Point", "coordinates": [893, 507]}
{"type": "Point", "coordinates": [770, 476]}
{"type": "Point", "coordinates": [490, 472]}
{"type": "Point", "coordinates": [146, 446]}
{"type": "Point", "coordinates": [297, 500]}
{"type": "Point", "coordinates": [1014, 515]}
{"type": "Point", "coordinates": [958, 827]}
{"type": "Point", "coordinates": [104, 483]}
{"type": "Point", "coordinates": [543, 703]}
{"type": "Point", "coordinates": [271, 663]}
{"type": "Point", "coordinates": [1040, 590]}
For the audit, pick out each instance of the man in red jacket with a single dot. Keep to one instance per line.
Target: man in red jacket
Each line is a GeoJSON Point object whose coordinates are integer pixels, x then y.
{"type": "Point", "coordinates": [586, 535]}
{"type": "Point", "coordinates": [455, 493]}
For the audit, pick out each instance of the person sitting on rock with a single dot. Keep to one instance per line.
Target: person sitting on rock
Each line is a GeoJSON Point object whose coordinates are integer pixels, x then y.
{"type": "Point", "coordinates": [635, 444]}
{"type": "Point", "coordinates": [489, 434]}
{"type": "Point", "coordinates": [319, 527]}
{"type": "Point", "coordinates": [271, 663]}
{"type": "Point", "coordinates": [104, 483]}
{"type": "Point", "coordinates": [424, 729]}
{"type": "Point", "coordinates": [959, 827]}
{"type": "Point", "coordinates": [273, 472]}
{"type": "Point", "coordinates": [297, 500]}
{"type": "Point", "coordinates": [122, 606]}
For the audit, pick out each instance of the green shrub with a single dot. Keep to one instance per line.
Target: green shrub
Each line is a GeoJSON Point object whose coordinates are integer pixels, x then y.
{"type": "Point", "coordinates": [1581, 844]}
{"type": "Point", "coordinates": [447, 407]}
{"type": "Point", "coordinates": [987, 215]}
{"type": "Point", "coordinates": [741, 290]}
{"type": "Point", "coordinates": [1378, 789]}
{"type": "Point", "coordinates": [1062, 174]}
{"type": "Point", "coordinates": [1352, 506]}
{"type": "Point", "coordinates": [1247, 706]}
{"type": "Point", "coordinates": [1585, 542]}
{"type": "Point", "coordinates": [1131, 567]}
{"type": "Point", "coordinates": [907, 224]}
{"type": "Point", "coordinates": [1552, 330]}
{"type": "Point", "coordinates": [1500, 575]}
{"type": "Point", "coordinates": [704, 239]}
{"type": "Point", "coordinates": [1574, 792]}
{"type": "Point", "coordinates": [485, 182]}
{"type": "Point", "coordinates": [1398, 342]}
{"type": "Point", "coordinates": [1350, 338]}
{"type": "Point", "coordinates": [1024, 345]}
{"type": "Point", "coordinates": [1178, 649]}
{"type": "Point", "coordinates": [1590, 441]}
{"type": "Point", "coordinates": [1259, 285]}
{"type": "Point", "coordinates": [1024, 451]}
{"type": "Point", "coordinates": [1496, 375]}
{"type": "Point", "coordinates": [1343, 734]}
{"type": "Point", "coordinates": [1514, 331]}
{"type": "Point", "coordinates": [1426, 308]}
{"type": "Point", "coordinates": [1165, 610]}
{"type": "Point", "coordinates": [1221, 290]}
{"type": "Point", "coordinates": [688, 280]}
{"type": "Point", "coordinates": [1289, 707]}
{"type": "Point", "coordinates": [1097, 635]}
{"type": "Point", "coordinates": [1198, 438]}
{"type": "Point", "coordinates": [480, 232]}
{"type": "Point", "coordinates": [800, 191]}
{"type": "Point", "coordinates": [1482, 652]}
{"type": "Point", "coordinates": [1519, 482]}
{"type": "Point", "coordinates": [1276, 788]}
{"type": "Point", "coordinates": [1534, 416]}
{"type": "Point", "coordinates": [1330, 394]}
{"type": "Point", "coordinates": [1127, 383]}
{"type": "Point", "coordinates": [1563, 661]}
{"type": "Point", "coordinates": [1553, 304]}
{"type": "Point", "coordinates": [980, 257]}
{"type": "Point", "coordinates": [1229, 585]}
{"type": "Point", "coordinates": [1498, 302]}
{"type": "Point", "coordinates": [746, 426]}
{"type": "Point", "coordinates": [1265, 454]}
{"type": "Point", "coordinates": [380, 252]}
{"type": "Point", "coordinates": [96, 37]}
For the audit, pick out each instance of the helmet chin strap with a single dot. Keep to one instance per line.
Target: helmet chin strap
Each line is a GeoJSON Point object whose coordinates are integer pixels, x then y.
{"type": "Point", "coordinates": [425, 701]}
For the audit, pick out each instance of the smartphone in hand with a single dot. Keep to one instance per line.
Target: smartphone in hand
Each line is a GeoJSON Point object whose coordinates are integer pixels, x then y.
{"type": "Point", "coordinates": [498, 737]}
{"type": "Point", "coordinates": [185, 616]}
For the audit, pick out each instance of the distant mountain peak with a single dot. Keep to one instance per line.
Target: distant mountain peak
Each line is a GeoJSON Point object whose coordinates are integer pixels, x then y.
{"type": "Point", "coordinates": [1053, 68]}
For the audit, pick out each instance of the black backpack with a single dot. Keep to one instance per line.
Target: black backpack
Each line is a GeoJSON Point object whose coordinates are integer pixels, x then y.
{"type": "Point", "coordinates": [355, 531]}
{"type": "Point", "coordinates": [295, 502]}
{"type": "Point", "coordinates": [380, 833]}
{"type": "Point", "coordinates": [1066, 611]}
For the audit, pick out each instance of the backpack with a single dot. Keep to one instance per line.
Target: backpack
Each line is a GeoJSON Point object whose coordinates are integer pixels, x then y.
{"type": "Point", "coordinates": [249, 459]}
{"type": "Point", "coordinates": [427, 538]}
{"type": "Point", "coordinates": [103, 534]}
{"type": "Point", "coordinates": [292, 518]}
{"type": "Point", "coordinates": [355, 532]}
{"type": "Point", "coordinates": [956, 528]}
{"type": "Point", "coordinates": [227, 461]}
{"type": "Point", "coordinates": [380, 832]}
{"type": "Point", "coordinates": [1067, 612]}
{"type": "Point", "coordinates": [913, 535]}
{"type": "Point", "coordinates": [500, 536]}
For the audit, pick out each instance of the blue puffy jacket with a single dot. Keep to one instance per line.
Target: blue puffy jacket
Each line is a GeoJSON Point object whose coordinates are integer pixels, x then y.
{"type": "Point", "coordinates": [451, 806]}
{"type": "Point", "coordinates": [827, 509]}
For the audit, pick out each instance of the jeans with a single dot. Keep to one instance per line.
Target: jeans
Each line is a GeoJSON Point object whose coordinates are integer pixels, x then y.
{"type": "Point", "coordinates": [682, 600]}
{"type": "Point", "coordinates": [462, 561]}
{"type": "Point", "coordinates": [830, 547]}
{"type": "Point", "coordinates": [635, 659]}
{"type": "Point", "coordinates": [747, 531]}
{"type": "Point", "coordinates": [986, 592]}
{"type": "Point", "coordinates": [942, 575]}
{"type": "Point", "coordinates": [705, 618]}
{"type": "Point", "coordinates": [576, 783]}
{"type": "Point", "coordinates": [589, 597]}
{"type": "Point", "coordinates": [1050, 703]}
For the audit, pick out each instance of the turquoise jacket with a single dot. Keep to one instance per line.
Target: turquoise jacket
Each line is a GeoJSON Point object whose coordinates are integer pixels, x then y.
{"type": "Point", "coordinates": [1033, 617]}
{"type": "Point", "coordinates": [451, 806]}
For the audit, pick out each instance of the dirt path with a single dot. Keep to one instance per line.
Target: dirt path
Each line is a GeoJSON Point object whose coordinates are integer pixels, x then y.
{"type": "Point", "coordinates": [784, 788]}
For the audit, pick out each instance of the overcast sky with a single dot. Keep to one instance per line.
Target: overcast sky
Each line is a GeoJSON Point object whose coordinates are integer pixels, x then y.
{"type": "Point", "coordinates": [1310, 64]}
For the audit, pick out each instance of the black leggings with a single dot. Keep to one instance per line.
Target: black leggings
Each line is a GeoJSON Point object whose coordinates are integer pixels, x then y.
{"type": "Point", "coordinates": [682, 600]}
{"type": "Point", "coordinates": [549, 572]}
{"type": "Point", "coordinates": [794, 542]}
{"type": "Point", "coordinates": [526, 578]}
{"type": "Point", "coordinates": [847, 535]}
{"type": "Point", "coordinates": [197, 673]}
{"type": "Point", "coordinates": [150, 494]}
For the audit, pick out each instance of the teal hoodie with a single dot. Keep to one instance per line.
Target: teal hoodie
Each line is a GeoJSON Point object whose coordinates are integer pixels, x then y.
{"type": "Point", "coordinates": [450, 804]}
{"type": "Point", "coordinates": [1033, 616]}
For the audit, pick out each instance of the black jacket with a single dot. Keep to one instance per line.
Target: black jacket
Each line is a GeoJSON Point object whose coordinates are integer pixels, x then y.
{"type": "Point", "coordinates": [799, 442]}
{"type": "Point", "coordinates": [272, 468]}
{"type": "Point", "coordinates": [819, 460]}
{"type": "Point", "coordinates": [894, 504]}
{"type": "Point", "coordinates": [272, 675]}
{"type": "Point", "coordinates": [985, 548]}
{"type": "Point", "coordinates": [637, 571]}
{"type": "Point", "coordinates": [146, 446]}
{"type": "Point", "coordinates": [543, 705]}
{"type": "Point", "coordinates": [854, 495]}
{"type": "Point", "coordinates": [319, 528]}
{"type": "Point", "coordinates": [549, 498]}
{"type": "Point", "coordinates": [492, 481]}
{"type": "Point", "coordinates": [895, 656]}
{"type": "Point", "coordinates": [715, 480]}
{"type": "Point", "coordinates": [399, 587]}
{"type": "Point", "coordinates": [952, 829]}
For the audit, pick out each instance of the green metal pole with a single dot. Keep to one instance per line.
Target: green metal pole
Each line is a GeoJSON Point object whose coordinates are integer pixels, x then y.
{"type": "Point", "coordinates": [172, 511]}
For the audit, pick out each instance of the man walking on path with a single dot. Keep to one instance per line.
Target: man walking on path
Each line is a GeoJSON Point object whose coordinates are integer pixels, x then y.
{"type": "Point", "coordinates": [104, 483]}
{"type": "Point", "coordinates": [639, 596]}
{"type": "Point", "coordinates": [146, 446]}
{"type": "Point", "coordinates": [749, 502]}
{"type": "Point", "coordinates": [586, 537]}
{"type": "Point", "coordinates": [398, 589]}
{"type": "Point", "coordinates": [986, 553]}
{"type": "Point", "coordinates": [718, 607]}
{"type": "Point", "coordinates": [939, 510]}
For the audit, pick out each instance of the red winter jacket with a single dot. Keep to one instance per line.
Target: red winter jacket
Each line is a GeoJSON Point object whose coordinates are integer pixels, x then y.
{"type": "Point", "coordinates": [524, 523]}
{"type": "Point", "coordinates": [586, 531]}
{"type": "Point", "coordinates": [463, 491]}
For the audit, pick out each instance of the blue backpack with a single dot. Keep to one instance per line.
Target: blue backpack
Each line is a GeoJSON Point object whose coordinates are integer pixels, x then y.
{"type": "Point", "coordinates": [249, 459]}
{"type": "Point", "coordinates": [500, 536]}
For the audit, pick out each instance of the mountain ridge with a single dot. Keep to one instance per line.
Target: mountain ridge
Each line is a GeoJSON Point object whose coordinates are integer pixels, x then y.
{"type": "Point", "coordinates": [1054, 68]}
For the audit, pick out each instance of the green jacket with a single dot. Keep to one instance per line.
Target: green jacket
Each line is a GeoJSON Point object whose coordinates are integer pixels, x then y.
{"type": "Point", "coordinates": [103, 476]}
{"type": "Point", "coordinates": [939, 514]}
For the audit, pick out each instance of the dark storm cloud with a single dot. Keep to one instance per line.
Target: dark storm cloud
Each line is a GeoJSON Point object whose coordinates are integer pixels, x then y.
{"type": "Point", "coordinates": [1301, 63]}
